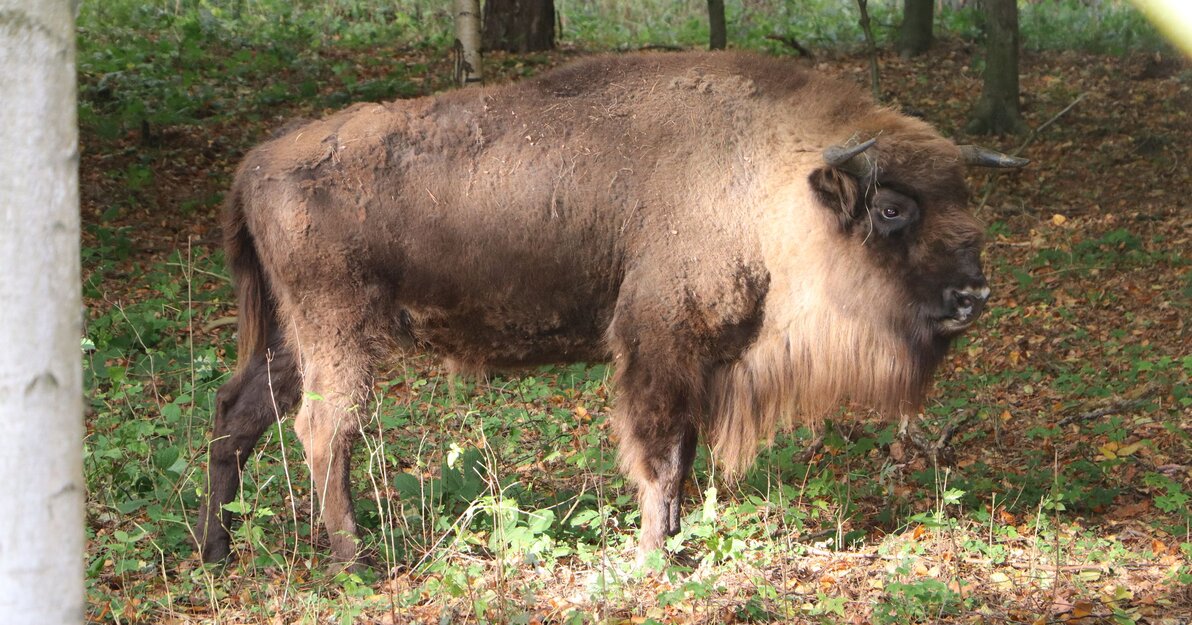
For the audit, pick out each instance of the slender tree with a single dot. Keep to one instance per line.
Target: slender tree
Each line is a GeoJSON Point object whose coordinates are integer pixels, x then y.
{"type": "Point", "coordinates": [914, 36]}
{"type": "Point", "coordinates": [871, 48]}
{"type": "Point", "coordinates": [717, 27]}
{"type": "Point", "coordinates": [467, 42]}
{"type": "Point", "coordinates": [519, 25]}
{"type": "Point", "coordinates": [997, 110]}
{"type": "Point", "coordinates": [41, 466]}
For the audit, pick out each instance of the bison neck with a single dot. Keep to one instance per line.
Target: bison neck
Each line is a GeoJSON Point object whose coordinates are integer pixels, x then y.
{"type": "Point", "coordinates": [804, 369]}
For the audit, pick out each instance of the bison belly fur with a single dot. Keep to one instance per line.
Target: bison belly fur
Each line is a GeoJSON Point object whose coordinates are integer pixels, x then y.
{"type": "Point", "coordinates": [718, 225]}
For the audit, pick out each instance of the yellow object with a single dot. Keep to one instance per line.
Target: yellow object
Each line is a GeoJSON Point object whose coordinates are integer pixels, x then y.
{"type": "Point", "coordinates": [1173, 18]}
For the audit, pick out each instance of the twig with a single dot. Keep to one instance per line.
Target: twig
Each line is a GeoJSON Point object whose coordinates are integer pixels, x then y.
{"type": "Point", "coordinates": [952, 429]}
{"type": "Point", "coordinates": [810, 450]}
{"type": "Point", "coordinates": [1030, 138]}
{"type": "Point", "coordinates": [217, 276]}
{"type": "Point", "coordinates": [1115, 407]}
{"type": "Point", "coordinates": [1067, 568]}
{"type": "Point", "coordinates": [792, 43]}
{"type": "Point", "coordinates": [1033, 134]}
{"type": "Point", "coordinates": [1133, 400]}
{"type": "Point", "coordinates": [662, 46]}
{"type": "Point", "coordinates": [219, 323]}
{"type": "Point", "coordinates": [939, 447]}
{"type": "Point", "coordinates": [816, 551]}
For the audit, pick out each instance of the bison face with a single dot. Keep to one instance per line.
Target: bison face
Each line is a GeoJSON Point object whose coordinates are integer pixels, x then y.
{"type": "Point", "coordinates": [923, 242]}
{"type": "Point", "coordinates": [934, 248]}
{"type": "Point", "coordinates": [954, 289]}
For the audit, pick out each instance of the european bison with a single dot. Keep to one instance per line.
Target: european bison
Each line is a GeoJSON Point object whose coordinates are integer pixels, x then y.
{"type": "Point", "coordinates": [747, 241]}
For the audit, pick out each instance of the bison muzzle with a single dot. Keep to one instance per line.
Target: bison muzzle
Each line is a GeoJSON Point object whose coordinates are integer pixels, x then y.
{"type": "Point", "coordinates": [750, 244]}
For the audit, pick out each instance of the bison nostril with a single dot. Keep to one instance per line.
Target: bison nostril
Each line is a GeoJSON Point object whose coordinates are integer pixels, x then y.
{"type": "Point", "coordinates": [965, 303]}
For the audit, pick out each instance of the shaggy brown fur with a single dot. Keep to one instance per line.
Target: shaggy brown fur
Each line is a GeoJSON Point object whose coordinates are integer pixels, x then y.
{"type": "Point", "coordinates": [670, 212]}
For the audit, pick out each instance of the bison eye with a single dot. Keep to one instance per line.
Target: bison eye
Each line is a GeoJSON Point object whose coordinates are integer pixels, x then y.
{"type": "Point", "coordinates": [892, 211]}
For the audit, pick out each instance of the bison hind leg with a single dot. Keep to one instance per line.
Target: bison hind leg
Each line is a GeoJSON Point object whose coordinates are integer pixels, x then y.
{"type": "Point", "coordinates": [337, 377]}
{"type": "Point", "coordinates": [255, 398]}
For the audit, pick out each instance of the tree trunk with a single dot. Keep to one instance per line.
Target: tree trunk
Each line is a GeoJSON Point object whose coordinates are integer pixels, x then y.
{"type": "Point", "coordinates": [717, 29]}
{"type": "Point", "coordinates": [519, 25]}
{"type": "Point", "coordinates": [997, 110]}
{"type": "Point", "coordinates": [467, 42]}
{"type": "Point", "coordinates": [41, 409]}
{"type": "Point", "coordinates": [914, 37]}
{"type": "Point", "coordinates": [871, 45]}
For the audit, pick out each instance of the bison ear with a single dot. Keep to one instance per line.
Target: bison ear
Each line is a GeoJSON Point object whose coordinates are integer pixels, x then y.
{"type": "Point", "coordinates": [838, 192]}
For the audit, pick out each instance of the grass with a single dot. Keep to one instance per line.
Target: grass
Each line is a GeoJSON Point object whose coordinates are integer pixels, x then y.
{"type": "Point", "coordinates": [186, 61]}
{"type": "Point", "coordinates": [499, 500]}
{"type": "Point", "coordinates": [823, 25]}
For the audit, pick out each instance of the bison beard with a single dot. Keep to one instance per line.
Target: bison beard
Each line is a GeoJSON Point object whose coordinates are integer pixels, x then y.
{"type": "Point", "coordinates": [716, 224]}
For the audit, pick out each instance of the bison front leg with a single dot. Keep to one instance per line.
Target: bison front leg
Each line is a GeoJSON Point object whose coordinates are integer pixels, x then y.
{"type": "Point", "coordinates": [659, 462]}
{"type": "Point", "coordinates": [668, 336]}
{"type": "Point", "coordinates": [328, 425]}
{"type": "Point", "coordinates": [246, 406]}
{"type": "Point", "coordinates": [657, 431]}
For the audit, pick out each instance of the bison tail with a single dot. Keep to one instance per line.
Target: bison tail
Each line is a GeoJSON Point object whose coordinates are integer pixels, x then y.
{"type": "Point", "coordinates": [257, 315]}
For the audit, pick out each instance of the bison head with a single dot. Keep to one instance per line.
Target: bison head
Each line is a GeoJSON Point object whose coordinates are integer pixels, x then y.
{"type": "Point", "coordinates": [906, 205]}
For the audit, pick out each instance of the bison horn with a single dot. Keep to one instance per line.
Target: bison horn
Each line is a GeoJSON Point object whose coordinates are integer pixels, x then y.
{"type": "Point", "coordinates": [845, 158]}
{"type": "Point", "coordinates": [984, 157]}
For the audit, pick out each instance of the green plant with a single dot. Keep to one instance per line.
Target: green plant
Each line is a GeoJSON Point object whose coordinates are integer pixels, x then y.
{"type": "Point", "coordinates": [916, 601]}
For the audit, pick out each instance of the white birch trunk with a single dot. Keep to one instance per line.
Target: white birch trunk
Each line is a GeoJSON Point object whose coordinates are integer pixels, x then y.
{"type": "Point", "coordinates": [41, 467]}
{"type": "Point", "coordinates": [467, 41]}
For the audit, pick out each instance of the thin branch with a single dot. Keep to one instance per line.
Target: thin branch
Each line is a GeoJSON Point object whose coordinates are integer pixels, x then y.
{"type": "Point", "coordinates": [938, 448]}
{"type": "Point", "coordinates": [952, 429]}
{"type": "Point", "coordinates": [791, 42]}
{"type": "Point", "coordinates": [853, 555]}
{"type": "Point", "coordinates": [662, 46]}
{"type": "Point", "coordinates": [1034, 133]}
{"type": "Point", "coordinates": [811, 450]}
{"type": "Point", "coordinates": [1116, 407]}
{"type": "Point", "coordinates": [1020, 564]}
{"type": "Point", "coordinates": [219, 323]}
{"type": "Point", "coordinates": [1030, 138]}
{"type": "Point", "coordinates": [1134, 400]}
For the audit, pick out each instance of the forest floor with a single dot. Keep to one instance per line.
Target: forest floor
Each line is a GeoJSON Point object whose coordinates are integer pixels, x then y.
{"type": "Point", "coordinates": [1065, 497]}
